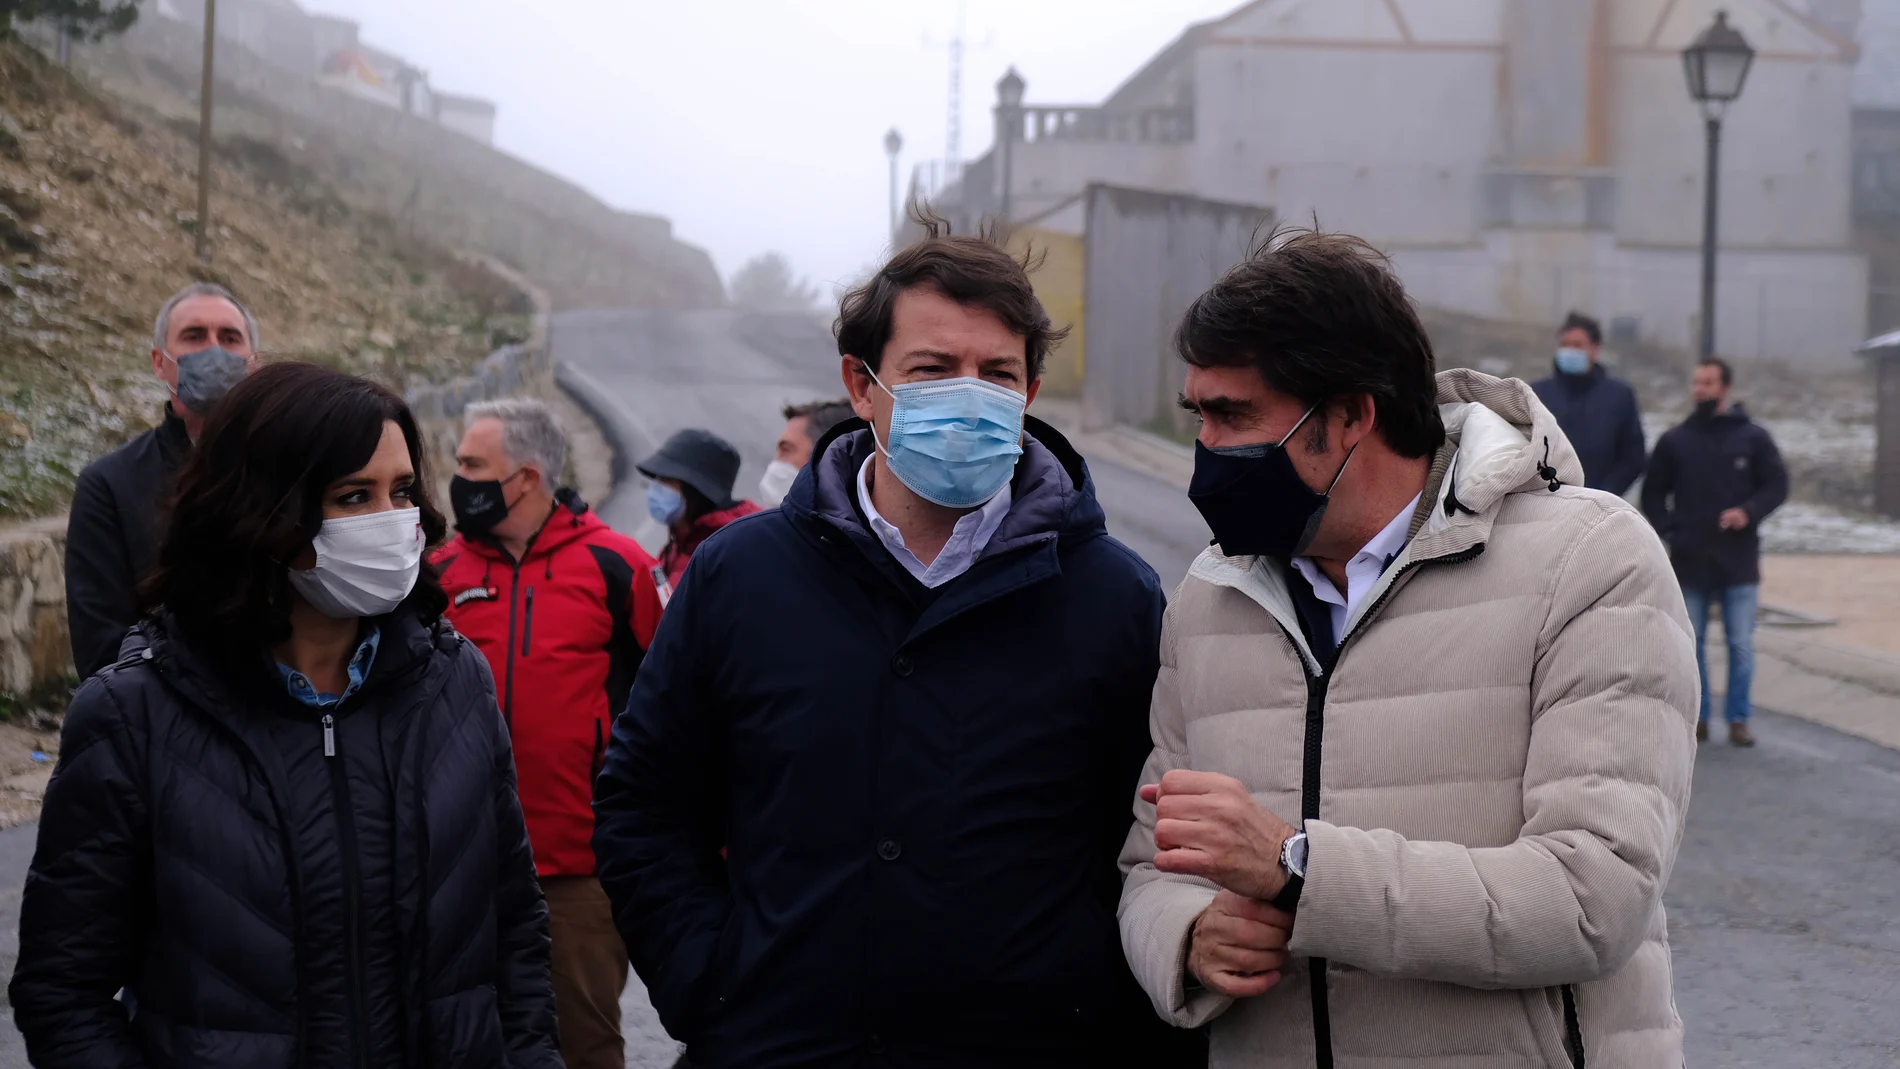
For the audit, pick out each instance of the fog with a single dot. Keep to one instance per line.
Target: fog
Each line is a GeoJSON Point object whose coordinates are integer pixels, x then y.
{"type": "Point", "coordinates": [758, 125]}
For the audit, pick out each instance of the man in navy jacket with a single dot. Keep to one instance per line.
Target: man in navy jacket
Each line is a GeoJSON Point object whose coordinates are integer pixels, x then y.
{"type": "Point", "coordinates": [1597, 412]}
{"type": "Point", "coordinates": [1714, 478]}
{"type": "Point", "coordinates": [911, 707]}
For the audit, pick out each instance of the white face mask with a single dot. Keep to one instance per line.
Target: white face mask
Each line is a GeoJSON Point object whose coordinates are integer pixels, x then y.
{"type": "Point", "coordinates": [778, 480]}
{"type": "Point", "coordinates": [365, 565]}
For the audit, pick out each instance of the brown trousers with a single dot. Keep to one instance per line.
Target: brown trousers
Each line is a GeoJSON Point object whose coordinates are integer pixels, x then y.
{"type": "Point", "coordinates": [590, 972]}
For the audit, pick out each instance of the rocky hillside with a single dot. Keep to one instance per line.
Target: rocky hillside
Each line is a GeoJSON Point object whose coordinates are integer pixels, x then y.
{"type": "Point", "coordinates": [97, 227]}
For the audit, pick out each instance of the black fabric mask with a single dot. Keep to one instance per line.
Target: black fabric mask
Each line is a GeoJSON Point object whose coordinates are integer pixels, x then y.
{"type": "Point", "coordinates": [479, 505]}
{"type": "Point", "coordinates": [1706, 409]}
{"type": "Point", "coordinates": [1254, 500]}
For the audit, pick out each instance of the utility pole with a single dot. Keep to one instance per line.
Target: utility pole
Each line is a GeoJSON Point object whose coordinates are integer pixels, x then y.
{"type": "Point", "coordinates": [204, 135]}
{"type": "Point", "coordinates": [957, 47]}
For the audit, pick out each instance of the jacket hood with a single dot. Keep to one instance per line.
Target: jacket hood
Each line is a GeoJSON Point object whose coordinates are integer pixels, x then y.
{"type": "Point", "coordinates": [1734, 417]}
{"type": "Point", "coordinates": [1503, 440]}
{"type": "Point", "coordinates": [1051, 491]}
{"type": "Point", "coordinates": [570, 521]}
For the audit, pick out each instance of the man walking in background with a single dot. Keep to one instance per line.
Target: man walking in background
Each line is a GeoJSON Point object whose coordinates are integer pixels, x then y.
{"type": "Point", "coordinates": [203, 342]}
{"type": "Point", "coordinates": [1597, 412]}
{"type": "Point", "coordinates": [564, 609]}
{"type": "Point", "coordinates": [804, 425]}
{"type": "Point", "coordinates": [1713, 480]}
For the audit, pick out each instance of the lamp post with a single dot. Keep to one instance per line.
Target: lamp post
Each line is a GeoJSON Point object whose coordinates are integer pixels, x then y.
{"type": "Point", "coordinates": [1009, 126]}
{"type": "Point", "coordinates": [893, 144]}
{"type": "Point", "coordinates": [204, 134]}
{"type": "Point", "coordinates": [1716, 64]}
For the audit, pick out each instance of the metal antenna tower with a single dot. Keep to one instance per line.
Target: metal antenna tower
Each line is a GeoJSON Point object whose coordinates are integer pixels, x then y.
{"type": "Point", "coordinates": [958, 47]}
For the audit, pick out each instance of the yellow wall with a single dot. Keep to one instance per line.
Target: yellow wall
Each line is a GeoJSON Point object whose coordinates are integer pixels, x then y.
{"type": "Point", "coordinates": [1058, 285]}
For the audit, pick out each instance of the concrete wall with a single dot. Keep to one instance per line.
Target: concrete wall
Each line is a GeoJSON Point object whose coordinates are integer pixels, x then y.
{"type": "Point", "coordinates": [1058, 279]}
{"type": "Point", "coordinates": [1149, 255]}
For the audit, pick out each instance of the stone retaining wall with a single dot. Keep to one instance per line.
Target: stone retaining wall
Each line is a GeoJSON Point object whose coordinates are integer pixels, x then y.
{"type": "Point", "coordinates": [35, 653]}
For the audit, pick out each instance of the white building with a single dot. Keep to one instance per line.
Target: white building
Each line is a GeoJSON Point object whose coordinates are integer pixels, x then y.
{"type": "Point", "coordinates": [1518, 158]}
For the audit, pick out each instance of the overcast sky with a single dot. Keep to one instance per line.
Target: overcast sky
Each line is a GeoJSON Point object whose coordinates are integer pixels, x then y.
{"type": "Point", "coordinates": [759, 124]}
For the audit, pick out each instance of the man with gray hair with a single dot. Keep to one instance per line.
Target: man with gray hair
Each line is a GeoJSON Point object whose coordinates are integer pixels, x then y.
{"type": "Point", "coordinates": [203, 342]}
{"type": "Point", "coordinates": [564, 609]}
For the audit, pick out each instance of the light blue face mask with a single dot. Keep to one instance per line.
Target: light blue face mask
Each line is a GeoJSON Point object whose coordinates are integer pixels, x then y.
{"type": "Point", "coordinates": [665, 504]}
{"type": "Point", "coordinates": [954, 442]}
{"type": "Point", "coordinates": [1573, 361]}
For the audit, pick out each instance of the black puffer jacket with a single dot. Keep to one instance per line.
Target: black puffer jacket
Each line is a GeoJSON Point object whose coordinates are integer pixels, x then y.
{"type": "Point", "coordinates": [193, 851]}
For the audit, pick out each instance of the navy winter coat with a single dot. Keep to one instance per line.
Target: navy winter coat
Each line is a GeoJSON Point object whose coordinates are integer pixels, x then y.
{"type": "Point", "coordinates": [1599, 416]}
{"type": "Point", "coordinates": [922, 793]}
{"type": "Point", "coordinates": [266, 906]}
{"type": "Point", "coordinates": [1703, 467]}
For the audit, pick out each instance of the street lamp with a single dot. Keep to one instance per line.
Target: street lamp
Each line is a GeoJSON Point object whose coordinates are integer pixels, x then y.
{"type": "Point", "coordinates": [893, 144]}
{"type": "Point", "coordinates": [1716, 64]}
{"type": "Point", "coordinates": [1009, 125]}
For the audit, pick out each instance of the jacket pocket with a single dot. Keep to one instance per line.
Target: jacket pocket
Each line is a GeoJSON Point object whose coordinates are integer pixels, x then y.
{"type": "Point", "coordinates": [466, 1028]}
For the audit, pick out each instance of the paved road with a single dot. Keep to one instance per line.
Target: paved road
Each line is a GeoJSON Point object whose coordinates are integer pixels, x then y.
{"type": "Point", "coordinates": [1785, 904]}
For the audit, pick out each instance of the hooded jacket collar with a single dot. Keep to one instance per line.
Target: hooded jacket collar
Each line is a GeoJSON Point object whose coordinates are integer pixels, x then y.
{"type": "Point", "coordinates": [1499, 440]}
{"type": "Point", "coordinates": [1053, 506]}
{"type": "Point", "coordinates": [570, 522]}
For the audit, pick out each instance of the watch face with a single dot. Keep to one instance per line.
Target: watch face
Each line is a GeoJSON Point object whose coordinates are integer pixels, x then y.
{"type": "Point", "coordinates": [1296, 855]}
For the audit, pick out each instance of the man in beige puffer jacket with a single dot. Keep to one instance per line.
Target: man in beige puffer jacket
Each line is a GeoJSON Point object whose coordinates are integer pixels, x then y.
{"type": "Point", "coordinates": [1488, 753]}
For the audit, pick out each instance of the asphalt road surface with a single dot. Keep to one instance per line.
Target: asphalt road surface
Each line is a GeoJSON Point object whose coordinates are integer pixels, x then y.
{"type": "Point", "coordinates": [1784, 908]}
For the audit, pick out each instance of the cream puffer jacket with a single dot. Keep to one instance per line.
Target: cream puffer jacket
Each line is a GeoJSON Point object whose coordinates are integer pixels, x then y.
{"type": "Point", "coordinates": [1493, 776]}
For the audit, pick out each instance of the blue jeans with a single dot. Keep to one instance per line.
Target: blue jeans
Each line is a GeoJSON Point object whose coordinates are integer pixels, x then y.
{"type": "Point", "coordinates": [1738, 624]}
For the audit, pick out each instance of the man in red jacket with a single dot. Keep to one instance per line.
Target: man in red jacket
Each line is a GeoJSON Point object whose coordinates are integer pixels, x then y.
{"type": "Point", "coordinates": [564, 609]}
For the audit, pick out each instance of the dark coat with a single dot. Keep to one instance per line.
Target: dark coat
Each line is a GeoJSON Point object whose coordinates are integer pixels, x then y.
{"type": "Point", "coordinates": [1599, 416]}
{"type": "Point", "coordinates": [923, 792]}
{"type": "Point", "coordinates": [112, 536]}
{"type": "Point", "coordinates": [403, 928]}
{"type": "Point", "coordinates": [1703, 467]}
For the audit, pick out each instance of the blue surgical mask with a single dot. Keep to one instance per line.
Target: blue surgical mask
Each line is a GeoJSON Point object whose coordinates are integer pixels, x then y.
{"type": "Point", "coordinates": [665, 504]}
{"type": "Point", "coordinates": [1573, 361]}
{"type": "Point", "coordinates": [954, 442]}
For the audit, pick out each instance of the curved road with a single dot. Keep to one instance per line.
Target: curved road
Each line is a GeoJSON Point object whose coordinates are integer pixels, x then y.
{"type": "Point", "coordinates": [1784, 907]}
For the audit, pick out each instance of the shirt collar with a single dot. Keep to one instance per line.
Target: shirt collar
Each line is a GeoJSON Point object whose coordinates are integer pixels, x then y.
{"type": "Point", "coordinates": [968, 539]}
{"type": "Point", "coordinates": [306, 693]}
{"type": "Point", "coordinates": [1370, 562]}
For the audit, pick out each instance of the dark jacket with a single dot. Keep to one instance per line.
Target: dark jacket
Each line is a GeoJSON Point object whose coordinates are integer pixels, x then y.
{"type": "Point", "coordinates": [1599, 416]}
{"type": "Point", "coordinates": [112, 536]}
{"type": "Point", "coordinates": [377, 908]}
{"type": "Point", "coordinates": [564, 630]}
{"type": "Point", "coordinates": [924, 792]}
{"type": "Point", "coordinates": [1703, 467]}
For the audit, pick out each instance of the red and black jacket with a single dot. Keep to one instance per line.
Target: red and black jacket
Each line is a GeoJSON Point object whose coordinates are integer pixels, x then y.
{"type": "Point", "coordinates": [565, 628]}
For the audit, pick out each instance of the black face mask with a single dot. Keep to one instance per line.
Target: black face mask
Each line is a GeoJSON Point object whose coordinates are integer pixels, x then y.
{"type": "Point", "coordinates": [479, 505]}
{"type": "Point", "coordinates": [1706, 409]}
{"type": "Point", "coordinates": [1254, 499]}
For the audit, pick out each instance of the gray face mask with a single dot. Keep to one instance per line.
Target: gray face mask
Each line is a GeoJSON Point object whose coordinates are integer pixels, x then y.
{"type": "Point", "coordinates": [207, 375]}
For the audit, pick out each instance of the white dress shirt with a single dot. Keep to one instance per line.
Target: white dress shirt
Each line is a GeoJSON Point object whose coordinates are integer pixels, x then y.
{"type": "Point", "coordinates": [1362, 571]}
{"type": "Point", "coordinates": [967, 539]}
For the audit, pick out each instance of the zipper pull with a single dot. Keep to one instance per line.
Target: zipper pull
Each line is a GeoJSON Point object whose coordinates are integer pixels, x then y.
{"type": "Point", "coordinates": [329, 735]}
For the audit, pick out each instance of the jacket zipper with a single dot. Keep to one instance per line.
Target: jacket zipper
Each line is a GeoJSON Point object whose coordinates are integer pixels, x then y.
{"type": "Point", "coordinates": [600, 749]}
{"type": "Point", "coordinates": [1316, 687]}
{"type": "Point", "coordinates": [527, 626]}
{"type": "Point", "coordinates": [1573, 1028]}
{"type": "Point", "coordinates": [508, 684]}
{"type": "Point", "coordinates": [352, 894]}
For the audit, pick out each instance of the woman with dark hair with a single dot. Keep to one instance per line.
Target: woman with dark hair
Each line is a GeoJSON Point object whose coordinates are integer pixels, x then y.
{"type": "Point", "coordinates": [284, 824]}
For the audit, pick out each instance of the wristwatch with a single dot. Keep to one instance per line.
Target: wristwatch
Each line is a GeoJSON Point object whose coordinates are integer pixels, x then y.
{"type": "Point", "coordinates": [1293, 860]}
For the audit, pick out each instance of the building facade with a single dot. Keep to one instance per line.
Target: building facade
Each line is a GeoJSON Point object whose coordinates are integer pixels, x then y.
{"type": "Point", "coordinates": [1518, 158]}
